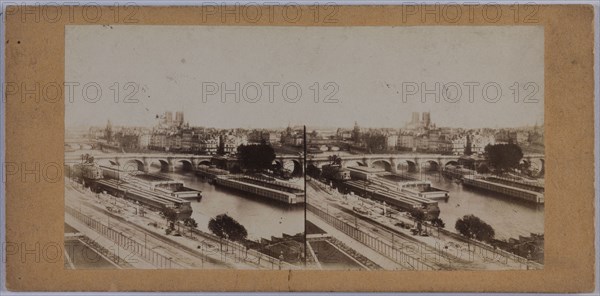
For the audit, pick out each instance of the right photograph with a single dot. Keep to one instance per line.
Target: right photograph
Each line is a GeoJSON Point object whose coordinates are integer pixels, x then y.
{"type": "Point", "coordinates": [439, 165]}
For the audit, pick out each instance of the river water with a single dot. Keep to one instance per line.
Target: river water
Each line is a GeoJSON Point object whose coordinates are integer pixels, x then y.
{"type": "Point", "coordinates": [508, 216]}
{"type": "Point", "coordinates": [262, 217]}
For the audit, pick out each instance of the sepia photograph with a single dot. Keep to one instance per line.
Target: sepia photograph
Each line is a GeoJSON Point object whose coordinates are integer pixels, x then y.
{"type": "Point", "coordinates": [435, 159]}
{"type": "Point", "coordinates": [292, 148]}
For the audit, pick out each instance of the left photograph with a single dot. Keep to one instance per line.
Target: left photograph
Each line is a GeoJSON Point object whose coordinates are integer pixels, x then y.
{"type": "Point", "coordinates": [168, 164]}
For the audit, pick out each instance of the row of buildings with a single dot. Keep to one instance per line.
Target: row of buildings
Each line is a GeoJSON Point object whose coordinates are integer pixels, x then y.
{"type": "Point", "coordinates": [419, 135]}
{"type": "Point", "coordinates": [173, 134]}
{"type": "Point", "coordinates": [422, 135]}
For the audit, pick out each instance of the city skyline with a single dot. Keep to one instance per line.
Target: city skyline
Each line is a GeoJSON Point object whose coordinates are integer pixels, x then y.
{"type": "Point", "coordinates": [399, 59]}
{"type": "Point", "coordinates": [403, 126]}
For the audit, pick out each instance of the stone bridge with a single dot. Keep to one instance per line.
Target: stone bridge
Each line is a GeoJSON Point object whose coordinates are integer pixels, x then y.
{"type": "Point", "coordinates": [408, 162]}
{"type": "Point", "coordinates": [390, 162]}
{"type": "Point", "coordinates": [168, 161]}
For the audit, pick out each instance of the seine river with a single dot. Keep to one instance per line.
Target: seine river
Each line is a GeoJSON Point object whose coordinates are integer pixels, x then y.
{"type": "Point", "coordinates": [508, 216]}
{"type": "Point", "coordinates": [262, 217]}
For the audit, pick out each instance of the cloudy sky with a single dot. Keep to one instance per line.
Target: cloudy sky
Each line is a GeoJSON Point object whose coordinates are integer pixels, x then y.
{"type": "Point", "coordinates": [376, 76]}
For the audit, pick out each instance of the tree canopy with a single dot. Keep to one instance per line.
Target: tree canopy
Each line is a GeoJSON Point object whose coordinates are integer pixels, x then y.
{"type": "Point", "coordinates": [190, 222]}
{"type": "Point", "coordinates": [504, 156]}
{"type": "Point", "coordinates": [418, 215]}
{"type": "Point", "coordinates": [256, 157]}
{"type": "Point", "coordinates": [335, 160]}
{"type": "Point", "coordinates": [374, 142]}
{"type": "Point", "coordinates": [438, 222]}
{"type": "Point", "coordinates": [483, 169]}
{"type": "Point", "coordinates": [171, 216]}
{"type": "Point", "coordinates": [473, 227]}
{"type": "Point", "coordinates": [226, 227]}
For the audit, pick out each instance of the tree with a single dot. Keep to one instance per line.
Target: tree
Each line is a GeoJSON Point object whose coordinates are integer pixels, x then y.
{"type": "Point", "coordinates": [335, 160]}
{"type": "Point", "coordinates": [171, 216]}
{"type": "Point", "coordinates": [190, 223]}
{"type": "Point", "coordinates": [226, 227]}
{"type": "Point", "coordinates": [236, 169]}
{"type": "Point", "coordinates": [504, 156]}
{"type": "Point", "coordinates": [374, 142]}
{"type": "Point", "coordinates": [438, 222]}
{"type": "Point", "coordinates": [419, 216]}
{"type": "Point", "coordinates": [88, 158]}
{"type": "Point", "coordinates": [256, 157]}
{"type": "Point", "coordinates": [483, 169]}
{"type": "Point", "coordinates": [473, 227]}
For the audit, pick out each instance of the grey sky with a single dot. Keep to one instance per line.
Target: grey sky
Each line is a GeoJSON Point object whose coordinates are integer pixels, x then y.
{"type": "Point", "coordinates": [370, 65]}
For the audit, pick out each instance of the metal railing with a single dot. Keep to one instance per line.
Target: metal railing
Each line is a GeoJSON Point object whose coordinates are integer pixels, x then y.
{"type": "Point", "coordinates": [398, 255]}
{"type": "Point", "coordinates": [122, 240]}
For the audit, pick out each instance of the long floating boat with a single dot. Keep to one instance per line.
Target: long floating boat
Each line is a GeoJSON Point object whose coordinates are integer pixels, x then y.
{"type": "Point", "coordinates": [152, 182]}
{"type": "Point", "coordinates": [149, 198]}
{"type": "Point", "coordinates": [510, 190]}
{"type": "Point", "coordinates": [273, 189]}
{"type": "Point", "coordinates": [156, 192]}
{"type": "Point", "coordinates": [393, 197]}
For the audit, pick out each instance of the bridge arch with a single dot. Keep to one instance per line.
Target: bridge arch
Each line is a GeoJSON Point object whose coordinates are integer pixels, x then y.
{"type": "Point", "coordinates": [298, 169]}
{"type": "Point", "coordinates": [536, 164]}
{"type": "Point", "coordinates": [204, 162]}
{"type": "Point", "coordinates": [407, 166]}
{"type": "Point", "coordinates": [186, 165]}
{"type": "Point", "coordinates": [277, 164]}
{"type": "Point", "coordinates": [134, 165]}
{"type": "Point", "coordinates": [162, 164]}
{"type": "Point", "coordinates": [451, 162]}
{"type": "Point", "coordinates": [430, 165]}
{"type": "Point", "coordinates": [382, 163]}
{"type": "Point", "coordinates": [543, 170]}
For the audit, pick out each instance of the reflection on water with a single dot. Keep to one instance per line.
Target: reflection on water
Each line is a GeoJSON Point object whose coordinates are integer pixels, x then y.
{"type": "Point", "coordinates": [262, 217]}
{"type": "Point", "coordinates": [508, 216]}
